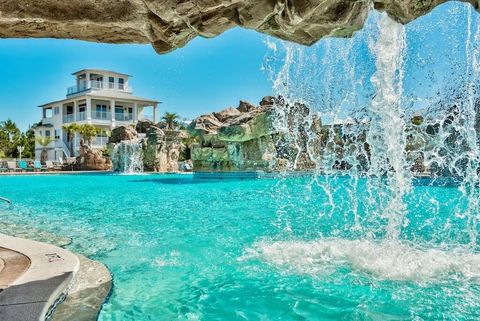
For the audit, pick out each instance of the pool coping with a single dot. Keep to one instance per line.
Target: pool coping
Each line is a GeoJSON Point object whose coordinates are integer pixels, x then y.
{"type": "Point", "coordinates": [34, 294]}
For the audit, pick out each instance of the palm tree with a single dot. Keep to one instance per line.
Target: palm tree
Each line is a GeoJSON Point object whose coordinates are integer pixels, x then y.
{"type": "Point", "coordinates": [88, 132]}
{"type": "Point", "coordinates": [170, 119]}
{"type": "Point", "coordinates": [71, 129]}
{"type": "Point", "coordinates": [44, 142]}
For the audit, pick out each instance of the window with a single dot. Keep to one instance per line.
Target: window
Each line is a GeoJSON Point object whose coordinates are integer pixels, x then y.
{"type": "Point", "coordinates": [130, 114]}
{"type": "Point", "coordinates": [56, 110]}
{"type": "Point", "coordinates": [47, 113]}
{"type": "Point", "coordinates": [119, 113]}
{"type": "Point", "coordinates": [121, 83]}
{"type": "Point", "coordinates": [57, 133]}
{"type": "Point", "coordinates": [111, 82]}
{"type": "Point", "coordinates": [81, 112]}
{"type": "Point", "coordinates": [101, 112]}
{"type": "Point", "coordinates": [69, 110]}
{"type": "Point", "coordinates": [47, 133]}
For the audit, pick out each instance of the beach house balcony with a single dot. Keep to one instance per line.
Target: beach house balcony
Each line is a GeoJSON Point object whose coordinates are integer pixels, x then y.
{"type": "Point", "coordinates": [94, 85]}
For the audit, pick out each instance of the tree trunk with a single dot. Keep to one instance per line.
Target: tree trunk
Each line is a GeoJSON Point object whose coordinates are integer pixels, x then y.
{"type": "Point", "coordinates": [43, 156]}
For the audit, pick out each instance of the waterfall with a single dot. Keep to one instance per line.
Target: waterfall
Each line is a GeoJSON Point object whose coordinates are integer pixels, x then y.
{"type": "Point", "coordinates": [127, 157]}
{"type": "Point", "coordinates": [386, 134]}
{"type": "Point", "coordinates": [366, 91]}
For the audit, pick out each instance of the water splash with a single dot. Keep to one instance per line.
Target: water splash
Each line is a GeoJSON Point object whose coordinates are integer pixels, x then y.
{"type": "Point", "coordinates": [387, 260]}
{"type": "Point", "coordinates": [347, 109]}
{"type": "Point", "coordinates": [127, 157]}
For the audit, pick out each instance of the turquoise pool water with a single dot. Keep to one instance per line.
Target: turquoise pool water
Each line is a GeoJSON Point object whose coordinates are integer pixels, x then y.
{"type": "Point", "coordinates": [259, 249]}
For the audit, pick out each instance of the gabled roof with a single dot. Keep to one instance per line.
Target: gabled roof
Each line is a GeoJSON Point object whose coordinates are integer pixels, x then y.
{"type": "Point", "coordinates": [100, 71]}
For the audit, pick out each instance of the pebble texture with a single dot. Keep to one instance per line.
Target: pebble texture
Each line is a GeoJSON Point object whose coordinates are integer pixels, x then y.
{"type": "Point", "coordinates": [170, 24]}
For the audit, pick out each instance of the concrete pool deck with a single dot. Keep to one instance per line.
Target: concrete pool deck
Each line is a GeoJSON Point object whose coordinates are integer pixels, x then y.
{"type": "Point", "coordinates": [36, 277]}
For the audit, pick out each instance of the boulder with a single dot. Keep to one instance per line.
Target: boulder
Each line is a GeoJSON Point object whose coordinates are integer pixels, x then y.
{"type": "Point", "coordinates": [205, 124]}
{"type": "Point", "coordinates": [227, 114]}
{"type": "Point", "coordinates": [267, 101]}
{"type": "Point", "coordinates": [122, 133]}
{"type": "Point", "coordinates": [245, 107]}
{"type": "Point", "coordinates": [248, 128]}
{"type": "Point", "coordinates": [143, 125]}
{"type": "Point", "coordinates": [92, 159]}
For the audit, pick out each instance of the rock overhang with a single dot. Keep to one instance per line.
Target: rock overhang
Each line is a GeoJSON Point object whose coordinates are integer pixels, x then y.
{"type": "Point", "coordinates": [170, 24]}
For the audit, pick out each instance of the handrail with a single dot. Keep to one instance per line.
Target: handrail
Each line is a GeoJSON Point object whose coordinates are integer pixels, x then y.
{"type": "Point", "coordinates": [6, 200]}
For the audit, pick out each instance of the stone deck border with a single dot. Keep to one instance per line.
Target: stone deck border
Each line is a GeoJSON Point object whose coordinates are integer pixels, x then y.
{"type": "Point", "coordinates": [34, 294]}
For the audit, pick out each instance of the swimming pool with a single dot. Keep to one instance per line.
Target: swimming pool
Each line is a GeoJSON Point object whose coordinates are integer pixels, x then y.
{"type": "Point", "coordinates": [182, 248]}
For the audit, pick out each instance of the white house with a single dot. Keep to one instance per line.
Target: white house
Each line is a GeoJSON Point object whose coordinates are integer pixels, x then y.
{"type": "Point", "coordinates": [99, 97]}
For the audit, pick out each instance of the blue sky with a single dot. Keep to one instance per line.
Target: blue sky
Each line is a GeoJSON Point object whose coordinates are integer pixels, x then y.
{"type": "Point", "coordinates": [204, 76]}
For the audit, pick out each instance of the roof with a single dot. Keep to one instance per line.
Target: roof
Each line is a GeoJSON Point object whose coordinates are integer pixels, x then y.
{"type": "Point", "coordinates": [41, 124]}
{"type": "Point", "coordinates": [118, 96]}
{"type": "Point", "coordinates": [100, 71]}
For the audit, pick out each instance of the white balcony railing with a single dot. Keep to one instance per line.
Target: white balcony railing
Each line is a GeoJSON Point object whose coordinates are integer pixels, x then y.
{"type": "Point", "coordinates": [97, 115]}
{"type": "Point", "coordinates": [123, 117]}
{"type": "Point", "coordinates": [98, 85]}
{"type": "Point", "coordinates": [70, 118]}
{"type": "Point", "coordinates": [99, 141]}
{"type": "Point", "coordinates": [81, 116]}
{"type": "Point", "coordinates": [101, 115]}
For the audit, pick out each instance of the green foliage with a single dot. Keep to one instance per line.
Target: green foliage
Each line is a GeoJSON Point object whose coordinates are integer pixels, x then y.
{"type": "Point", "coordinates": [43, 141]}
{"type": "Point", "coordinates": [88, 132]}
{"type": "Point", "coordinates": [71, 129]}
{"type": "Point", "coordinates": [170, 119]}
{"type": "Point", "coordinates": [11, 137]}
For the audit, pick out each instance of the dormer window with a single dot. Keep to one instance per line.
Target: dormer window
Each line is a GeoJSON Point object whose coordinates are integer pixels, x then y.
{"type": "Point", "coordinates": [121, 83]}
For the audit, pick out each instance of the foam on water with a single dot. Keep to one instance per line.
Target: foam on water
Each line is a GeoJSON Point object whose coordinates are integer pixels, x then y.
{"type": "Point", "coordinates": [389, 260]}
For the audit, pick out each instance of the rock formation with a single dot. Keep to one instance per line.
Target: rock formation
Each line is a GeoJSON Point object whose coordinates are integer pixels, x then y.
{"type": "Point", "coordinates": [91, 159]}
{"type": "Point", "coordinates": [170, 24]}
{"type": "Point", "coordinates": [161, 148]}
{"type": "Point", "coordinates": [122, 133]}
{"type": "Point", "coordinates": [244, 139]}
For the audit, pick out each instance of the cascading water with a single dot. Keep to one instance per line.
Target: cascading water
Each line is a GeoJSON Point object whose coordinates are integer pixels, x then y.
{"type": "Point", "coordinates": [127, 157]}
{"type": "Point", "coordinates": [379, 137]}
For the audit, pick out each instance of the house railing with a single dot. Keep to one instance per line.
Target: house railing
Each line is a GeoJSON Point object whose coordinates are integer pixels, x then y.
{"type": "Point", "coordinates": [123, 117]}
{"type": "Point", "coordinates": [100, 141]}
{"type": "Point", "coordinates": [69, 118]}
{"type": "Point", "coordinates": [101, 115]}
{"type": "Point", "coordinates": [81, 116]}
{"type": "Point", "coordinates": [98, 85]}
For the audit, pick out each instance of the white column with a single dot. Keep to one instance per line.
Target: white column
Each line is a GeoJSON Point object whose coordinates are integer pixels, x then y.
{"type": "Point", "coordinates": [89, 85]}
{"type": "Point", "coordinates": [135, 112]}
{"type": "Point", "coordinates": [154, 113]}
{"type": "Point", "coordinates": [89, 110]}
{"type": "Point", "coordinates": [75, 110]}
{"type": "Point", "coordinates": [112, 110]}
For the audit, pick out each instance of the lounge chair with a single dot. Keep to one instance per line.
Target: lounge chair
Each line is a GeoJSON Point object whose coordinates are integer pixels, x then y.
{"type": "Point", "coordinates": [24, 166]}
{"type": "Point", "coordinates": [52, 167]}
{"type": "Point", "coordinates": [70, 161]}
{"type": "Point", "coordinates": [12, 167]}
{"type": "Point", "coordinates": [3, 168]}
{"type": "Point", "coordinates": [37, 165]}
